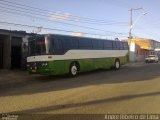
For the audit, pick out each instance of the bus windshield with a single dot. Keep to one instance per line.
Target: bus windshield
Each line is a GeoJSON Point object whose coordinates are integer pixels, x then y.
{"type": "Point", "coordinates": [37, 46]}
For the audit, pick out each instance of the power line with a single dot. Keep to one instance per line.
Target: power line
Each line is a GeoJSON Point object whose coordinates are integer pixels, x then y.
{"type": "Point", "coordinates": [44, 15]}
{"type": "Point", "coordinates": [89, 20]}
{"type": "Point", "coordinates": [58, 21]}
{"type": "Point", "coordinates": [38, 12]}
{"type": "Point", "coordinates": [147, 32]}
{"type": "Point", "coordinates": [30, 26]}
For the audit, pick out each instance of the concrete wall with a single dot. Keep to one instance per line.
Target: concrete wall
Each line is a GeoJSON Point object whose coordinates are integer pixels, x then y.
{"type": "Point", "coordinates": [140, 48]}
{"type": "Point", "coordinates": [24, 51]}
{"type": "Point", "coordinates": [137, 54]}
{"type": "Point", "coordinates": [132, 52]}
{"type": "Point", "coordinates": [11, 40]}
{"type": "Point", "coordinates": [7, 52]}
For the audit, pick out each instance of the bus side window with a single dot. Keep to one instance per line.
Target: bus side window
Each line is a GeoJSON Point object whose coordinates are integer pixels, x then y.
{"type": "Point", "coordinates": [73, 43]}
{"type": "Point", "coordinates": [100, 44]}
{"type": "Point", "coordinates": [118, 45]}
{"type": "Point", "coordinates": [70, 43]}
{"type": "Point", "coordinates": [121, 46]}
{"type": "Point", "coordinates": [95, 44]}
{"type": "Point", "coordinates": [66, 44]}
{"type": "Point", "coordinates": [125, 45]}
{"type": "Point", "coordinates": [114, 45]}
{"type": "Point", "coordinates": [108, 45]}
{"type": "Point", "coordinates": [57, 46]}
{"type": "Point", "coordinates": [85, 44]}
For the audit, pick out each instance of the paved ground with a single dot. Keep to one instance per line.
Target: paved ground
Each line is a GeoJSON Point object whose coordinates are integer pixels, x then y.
{"type": "Point", "coordinates": [132, 89]}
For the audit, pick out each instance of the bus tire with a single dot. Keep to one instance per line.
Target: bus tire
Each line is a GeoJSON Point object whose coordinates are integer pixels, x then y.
{"type": "Point", "coordinates": [73, 71]}
{"type": "Point", "coordinates": [117, 64]}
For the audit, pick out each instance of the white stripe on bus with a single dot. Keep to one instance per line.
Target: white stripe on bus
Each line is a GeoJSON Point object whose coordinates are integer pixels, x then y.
{"type": "Point", "coordinates": [79, 54]}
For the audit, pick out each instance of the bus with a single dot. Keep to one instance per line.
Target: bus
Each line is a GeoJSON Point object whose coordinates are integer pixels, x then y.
{"type": "Point", "coordinates": [53, 54]}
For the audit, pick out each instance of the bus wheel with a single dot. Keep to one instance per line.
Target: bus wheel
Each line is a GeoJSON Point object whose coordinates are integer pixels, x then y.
{"type": "Point", "coordinates": [117, 64]}
{"type": "Point", "coordinates": [73, 69]}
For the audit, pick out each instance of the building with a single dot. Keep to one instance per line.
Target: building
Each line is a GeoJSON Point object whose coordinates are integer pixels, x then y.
{"type": "Point", "coordinates": [140, 48]}
{"type": "Point", "coordinates": [13, 49]}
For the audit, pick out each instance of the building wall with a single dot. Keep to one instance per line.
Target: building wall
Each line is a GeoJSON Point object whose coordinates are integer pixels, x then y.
{"type": "Point", "coordinates": [140, 48]}
{"type": "Point", "coordinates": [24, 51]}
{"type": "Point", "coordinates": [143, 43]}
{"type": "Point", "coordinates": [7, 52]}
{"type": "Point", "coordinates": [141, 54]}
{"type": "Point", "coordinates": [9, 41]}
{"type": "Point", "coordinates": [1, 51]}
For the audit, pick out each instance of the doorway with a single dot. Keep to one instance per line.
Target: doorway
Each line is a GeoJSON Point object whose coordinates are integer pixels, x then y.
{"type": "Point", "coordinates": [16, 57]}
{"type": "Point", "coordinates": [1, 55]}
{"type": "Point", "coordinates": [16, 52]}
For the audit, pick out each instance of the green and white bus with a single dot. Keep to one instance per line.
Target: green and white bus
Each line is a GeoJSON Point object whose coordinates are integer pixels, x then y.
{"type": "Point", "coordinates": [53, 54]}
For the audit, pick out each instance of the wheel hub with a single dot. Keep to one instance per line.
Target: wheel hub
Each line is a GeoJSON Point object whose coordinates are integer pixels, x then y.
{"type": "Point", "coordinates": [74, 70]}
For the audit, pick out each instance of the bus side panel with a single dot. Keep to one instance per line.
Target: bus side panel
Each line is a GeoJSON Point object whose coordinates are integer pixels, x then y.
{"type": "Point", "coordinates": [123, 60]}
{"type": "Point", "coordinates": [103, 63]}
{"type": "Point", "coordinates": [59, 67]}
{"type": "Point", "coordinates": [95, 63]}
{"type": "Point", "coordinates": [86, 65]}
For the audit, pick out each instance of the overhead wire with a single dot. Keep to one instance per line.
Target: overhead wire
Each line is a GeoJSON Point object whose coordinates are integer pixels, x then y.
{"type": "Point", "coordinates": [30, 26]}
{"type": "Point", "coordinates": [39, 15]}
{"type": "Point", "coordinates": [58, 14]}
{"type": "Point", "coordinates": [7, 11]}
{"type": "Point", "coordinates": [147, 32]}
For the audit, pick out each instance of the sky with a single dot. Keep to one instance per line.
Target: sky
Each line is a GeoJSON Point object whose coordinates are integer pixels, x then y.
{"type": "Point", "coordinates": [93, 18]}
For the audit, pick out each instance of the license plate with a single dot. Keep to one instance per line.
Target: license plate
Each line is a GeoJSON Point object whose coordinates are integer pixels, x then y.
{"type": "Point", "coordinates": [33, 70]}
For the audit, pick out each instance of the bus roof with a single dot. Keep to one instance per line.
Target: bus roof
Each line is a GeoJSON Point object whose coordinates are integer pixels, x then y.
{"type": "Point", "coordinates": [60, 35]}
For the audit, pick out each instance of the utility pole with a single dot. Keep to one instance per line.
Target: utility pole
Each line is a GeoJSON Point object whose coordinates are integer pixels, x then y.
{"type": "Point", "coordinates": [131, 21]}
{"type": "Point", "coordinates": [130, 32]}
{"type": "Point", "coordinates": [130, 28]}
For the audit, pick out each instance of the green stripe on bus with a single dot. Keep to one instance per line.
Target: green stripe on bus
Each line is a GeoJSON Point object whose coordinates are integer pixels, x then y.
{"type": "Point", "coordinates": [59, 67]}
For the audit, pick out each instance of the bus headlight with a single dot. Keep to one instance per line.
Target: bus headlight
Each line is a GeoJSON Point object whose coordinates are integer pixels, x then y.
{"type": "Point", "coordinates": [44, 64]}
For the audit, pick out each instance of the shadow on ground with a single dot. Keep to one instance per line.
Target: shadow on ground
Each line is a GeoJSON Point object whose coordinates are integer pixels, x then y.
{"type": "Point", "coordinates": [74, 105]}
{"type": "Point", "coordinates": [20, 83]}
